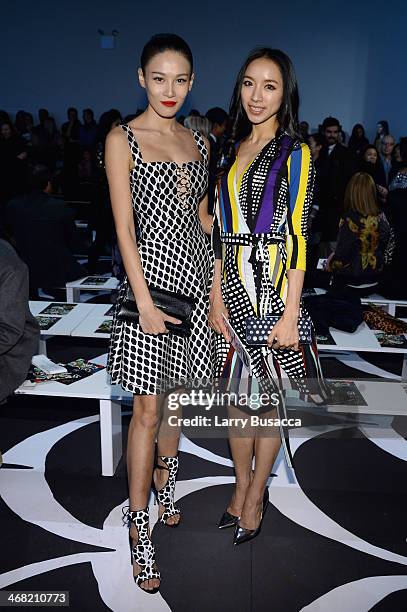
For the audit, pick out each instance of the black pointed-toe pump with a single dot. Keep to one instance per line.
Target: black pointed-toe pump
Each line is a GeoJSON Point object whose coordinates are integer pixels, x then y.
{"type": "Point", "coordinates": [244, 535]}
{"type": "Point", "coordinates": [227, 520]}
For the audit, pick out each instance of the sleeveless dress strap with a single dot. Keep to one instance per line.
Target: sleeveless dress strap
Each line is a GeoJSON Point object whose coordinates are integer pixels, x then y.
{"type": "Point", "coordinates": [134, 148]}
{"type": "Point", "coordinates": [201, 145]}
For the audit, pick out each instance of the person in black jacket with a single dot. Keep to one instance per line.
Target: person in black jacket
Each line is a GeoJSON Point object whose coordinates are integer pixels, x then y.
{"type": "Point", "coordinates": [19, 330]}
{"type": "Point", "coordinates": [392, 286]}
{"type": "Point", "coordinates": [336, 166]}
{"type": "Point", "coordinates": [218, 118]}
{"type": "Point", "coordinates": [44, 232]}
{"type": "Point", "coordinates": [13, 163]}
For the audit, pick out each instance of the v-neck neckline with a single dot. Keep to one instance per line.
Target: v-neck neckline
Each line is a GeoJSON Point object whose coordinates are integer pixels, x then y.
{"type": "Point", "coordinates": [239, 177]}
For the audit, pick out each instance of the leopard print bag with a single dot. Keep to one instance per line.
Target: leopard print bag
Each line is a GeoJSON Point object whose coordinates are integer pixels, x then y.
{"type": "Point", "coordinates": [376, 318]}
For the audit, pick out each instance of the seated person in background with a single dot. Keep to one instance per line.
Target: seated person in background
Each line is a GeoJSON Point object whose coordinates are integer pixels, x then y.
{"type": "Point", "coordinates": [358, 140]}
{"type": "Point", "coordinates": [218, 119]}
{"type": "Point", "coordinates": [200, 124]}
{"type": "Point", "coordinates": [369, 162]}
{"type": "Point", "coordinates": [304, 131]}
{"type": "Point", "coordinates": [44, 232]}
{"type": "Point", "coordinates": [387, 169]}
{"type": "Point", "coordinates": [336, 164]}
{"type": "Point", "coordinates": [13, 162]}
{"type": "Point", "coordinates": [396, 211]}
{"type": "Point", "coordinates": [396, 156]}
{"type": "Point", "coordinates": [316, 143]}
{"type": "Point", "coordinates": [19, 330]}
{"type": "Point", "coordinates": [358, 259]}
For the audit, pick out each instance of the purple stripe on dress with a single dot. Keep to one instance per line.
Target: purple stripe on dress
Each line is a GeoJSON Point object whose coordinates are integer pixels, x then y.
{"type": "Point", "coordinates": [265, 218]}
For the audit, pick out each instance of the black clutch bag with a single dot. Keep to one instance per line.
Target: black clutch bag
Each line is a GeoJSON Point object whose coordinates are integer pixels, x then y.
{"type": "Point", "coordinates": [173, 304]}
{"type": "Point", "coordinates": [258, 329]}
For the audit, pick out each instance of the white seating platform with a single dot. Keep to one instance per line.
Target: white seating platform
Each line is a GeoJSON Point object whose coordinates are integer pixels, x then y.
{"type": "Point", "coordinates": [363, 340]}
{"type": "Point", "coordinates": [74, 323]}
{"type": "Point", "coordinates": [89, 326]}
{"type": "Point", "coordinates": [110, 398]}
{"type": "Point", "coordinates": [74, 288]}
{"type": "Point", "coordinates": [388, 305]}
{"type": "Point", "coordinates": [64, 324]}
{"type": "Point", "coordinates": [382, 398]}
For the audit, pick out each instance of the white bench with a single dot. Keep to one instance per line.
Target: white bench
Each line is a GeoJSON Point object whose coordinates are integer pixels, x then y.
{"type": "Point", "coordinates": [87, 328]}
{"type": "Point", "coordinates": [388, 305]}
{"type": "Point", "coordinates": [110, 398]}
{"type": "Point", "coordinates": [363, 340]}
{"type": "Point", "coordinates": [383, 398]}
{"type": "Point", "coordinates": [64, 324]}
{"type": "Point", "coordinates": [74, 288]}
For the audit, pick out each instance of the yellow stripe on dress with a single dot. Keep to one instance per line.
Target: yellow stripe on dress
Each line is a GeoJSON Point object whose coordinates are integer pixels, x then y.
{"type": "Point", "coordinates": [300, 203]}
{"type": "Point", "coordinates": [232, 198]}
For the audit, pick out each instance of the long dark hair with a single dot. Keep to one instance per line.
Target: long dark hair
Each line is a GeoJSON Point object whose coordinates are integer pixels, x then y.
{"type": "Point", "coordinates": [354, 136]}
{"type": "Point", "coordinates": [287, 115]}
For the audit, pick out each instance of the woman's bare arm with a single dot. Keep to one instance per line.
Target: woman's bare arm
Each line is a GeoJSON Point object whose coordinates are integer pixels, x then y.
{"type": "Point", "coordinates": [117, 170]}
{"type": "Point", "coordinates": [117, 161]}
{"type": "Point", "coordinates": [205, 218]}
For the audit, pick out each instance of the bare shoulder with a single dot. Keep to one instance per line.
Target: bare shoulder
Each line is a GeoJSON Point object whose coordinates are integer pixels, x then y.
{"type": "Point", "coordinates": [117, 150]}
{"type": "Point", "coordinates": [116, 136]}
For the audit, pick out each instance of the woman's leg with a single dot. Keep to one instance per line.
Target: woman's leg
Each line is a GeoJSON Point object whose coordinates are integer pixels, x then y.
{"type": "Point", "coordinates": [241, 444]}
{"type": "Point", "coordinates": [167, 446]}
{"type": "Point", "coordinates": [140, 459]}
{"type": "Point", "coordinates": [266, 447]}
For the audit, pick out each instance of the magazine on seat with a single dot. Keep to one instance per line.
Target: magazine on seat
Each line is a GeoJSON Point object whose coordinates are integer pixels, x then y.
{"type": "Point", "coordinates": [238, 345]}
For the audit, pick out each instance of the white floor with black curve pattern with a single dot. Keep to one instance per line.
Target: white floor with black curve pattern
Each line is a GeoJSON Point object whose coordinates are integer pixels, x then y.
{"type": "Point", "coordinates": [333, 537]}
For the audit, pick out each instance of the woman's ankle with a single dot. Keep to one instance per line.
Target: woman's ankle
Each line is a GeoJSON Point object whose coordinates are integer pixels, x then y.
{"type": "Point", "coordinates": [244, 482]}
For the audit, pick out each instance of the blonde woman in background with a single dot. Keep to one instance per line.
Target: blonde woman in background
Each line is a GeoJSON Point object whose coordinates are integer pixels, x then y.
{"type": "Point", "coordinates": [200, 124]}
{"type": "Point", "coordinates": [358, 260]}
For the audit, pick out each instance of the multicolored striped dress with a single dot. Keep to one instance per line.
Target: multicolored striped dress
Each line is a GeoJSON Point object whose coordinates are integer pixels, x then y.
{"type": "Point", "coordinates": [260, 232]}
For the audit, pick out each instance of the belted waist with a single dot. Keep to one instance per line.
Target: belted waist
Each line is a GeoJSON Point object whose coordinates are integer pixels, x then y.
{"type": "Point", "coordinates": [251, 239]}
{"type": "Point", "coordinates": [258, 242]}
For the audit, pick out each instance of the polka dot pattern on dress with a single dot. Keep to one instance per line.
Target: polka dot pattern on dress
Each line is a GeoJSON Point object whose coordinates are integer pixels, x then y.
{"type": "Point", "coordinates": [175, 255]}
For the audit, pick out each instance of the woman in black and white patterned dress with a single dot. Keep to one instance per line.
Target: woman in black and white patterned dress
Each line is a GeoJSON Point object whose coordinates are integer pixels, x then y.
{"type": "Point", "coordinates": [157, 172]}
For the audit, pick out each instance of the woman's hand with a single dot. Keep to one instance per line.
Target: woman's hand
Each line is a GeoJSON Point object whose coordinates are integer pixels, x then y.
{"type": "Point", "coordinates": [285, 333]}
{"type": "Point", "coordinates": [217, 308]}
{"type": "Point", "coordinates": [327, 264]}
{"type": "Point", "coordinates": [383, 192]}
{"type": "Point", "coordinates": [152, 321]}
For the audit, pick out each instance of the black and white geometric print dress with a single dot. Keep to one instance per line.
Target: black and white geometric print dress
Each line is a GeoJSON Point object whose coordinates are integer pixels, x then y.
{"type": "Point", "coordinates": [175, 256]}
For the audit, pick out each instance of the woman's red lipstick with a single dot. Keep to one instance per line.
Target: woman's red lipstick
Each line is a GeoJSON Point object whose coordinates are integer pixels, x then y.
{"type": "Point", "coordinates": [168, 102]}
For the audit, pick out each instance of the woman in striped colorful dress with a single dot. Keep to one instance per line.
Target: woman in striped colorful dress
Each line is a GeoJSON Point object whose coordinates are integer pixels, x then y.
{"type": "Point", "coordinates": [259, 237]}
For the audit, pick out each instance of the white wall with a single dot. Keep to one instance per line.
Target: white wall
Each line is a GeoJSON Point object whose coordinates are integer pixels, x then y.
{"type": "Point", "coordinates": [349, 59]}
